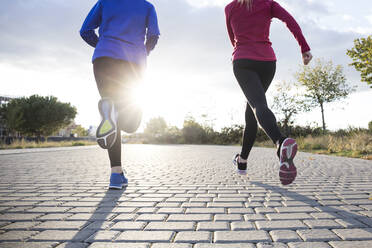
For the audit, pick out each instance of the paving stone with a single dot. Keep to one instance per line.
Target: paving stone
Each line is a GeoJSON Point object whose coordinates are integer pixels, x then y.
{"type": "Point", "coordinates": [326, 224]}
{"type": "Point", "coordinates": [350, 223]}
{"type": "Point", "coordinates": [48, 210]}
{"type": "Point", "coordinates": [225, 204]}
{"type": "Point", "coordinates": [317, 235]}
{"type": "Point", "coordinates": [325, 215]}
{"type": "Point", "coordinates": [273, 204]}
{"type": "Point", "coordinates": [354, 234]}
{"type": "Point", "coordinates": [308, 245]}
{"type": "Point", "coordinates": [168, 205]}
{"type": "Point", "coordinates": [72, 245]}
{"type": "Point", "coordinates": [128, 226]}
{"type": "Point", "coordinates": [254, 217]}
{"type": "Point", "coordinates": [194, 205]}
{"type": "Point", "coordinates": [240, 211]}
{"type": "Point", "coordinates": [91, 217]}
{"type": "Point", "coordinates": [271, 245]}
{"type": "Point", "coordinates": [171, 246]}
{"type": "Point", "coordinates": [19, 217]}
{"type": "Point", "coordinates": [28, 245]}
{"type": "Point", "coordinates": [228, 217]}
{"type": "Point", "coordinates": [351, 244]}
{"type": "Point", "coordinates": [102, 236]}
{"type": "Point", "coordinates": [280, 225]}
{"type": "Point", "coordinates": [20, 225]}
{"type": "Point", "coordinates": [205, 210]}
{"type": "Point", "coordinates": [284, 236]}
{"type": "Point", "coordinates": [145, 236]}
{"type": "Point", "coordinates": [151, 217]}
{"type": "Point", "coordinates": [365, 220]}
{"type": "Point", "coordinates": [241, 236]}
{"type": "Point", "coordinates": [242, 226]}
{"type": "Point", "coordinates": [62, 236]}
{"type": "Point", "coordinates": [189, 217]}
{"type": "Point", "coordinates": [193, 237]}
{"type": "Point", "coordinates": [125, 217]}
{"type": "Point", "coordinates": [213, 226]}
{"type": "Point", "coordinates": [265, 210]}
{"type": "Point", "coordinates": [171, 211]}
{"type": "Point", "coordinates": [296, 216]}
{"type": "Point", "coordinates": [99, 225]}
{"type": "Point", "coordinates": [54, 217]}
{"type": "Point", "coordinates": [118, 245]}
{"type": "Point", "coordinates": [295, 209]}
{"type": "Point", "coordinates": [235, 245]}
{"type": "Point", "coordinates": [16, 235]}
{"type": "Point", "coordinates": [60, 225]}
{"type": "Point", "coordinates": [170, 226]}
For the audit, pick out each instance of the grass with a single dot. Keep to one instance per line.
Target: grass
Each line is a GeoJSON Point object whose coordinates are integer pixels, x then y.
{"type": "Point", "coordinates": [354, 145]}
{"type": "Point", "coordinates": [23, 144]}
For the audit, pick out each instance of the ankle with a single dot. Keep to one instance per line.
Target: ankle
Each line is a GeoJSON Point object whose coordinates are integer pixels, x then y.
{"type": "Point", "coordinates": [116, 169]}
{"type": "Point", "coordinates": [242, 160]}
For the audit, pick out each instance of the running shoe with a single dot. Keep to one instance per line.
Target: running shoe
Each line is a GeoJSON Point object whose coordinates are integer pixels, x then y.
{"type": "Point", "coordinates": [107, 129]}
{"type": "Point", "coordinates": [118, 181]}
{"type": "Point", "coordinates": [241, 168]}
{"type": "Point", "coordinates": [287, 169]}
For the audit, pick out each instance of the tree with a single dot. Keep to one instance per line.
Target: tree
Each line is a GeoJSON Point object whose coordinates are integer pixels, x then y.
{"type": "Point", "coordinates": [193, 132]}
{"type": "Point", "coordinates": [37, 115]}
{"type": "Point", "coordinates": [361, 54]}
{"type": "Point", "coordinates": [155, 127]}
{"type": "Point", "coordinates": [370, 126]}
{"type": "Point", "coordinates": [323, 84]}
{"type": "Point", "coordinates": [80, 131]}
{"type": "Point", "coordinates": [287, 105]}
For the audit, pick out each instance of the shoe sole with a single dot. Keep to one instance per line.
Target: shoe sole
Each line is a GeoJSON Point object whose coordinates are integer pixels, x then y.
{"type": "Point", "coordinates": [118, 187]}
{"type": "Point", "coordinates": [287, 171]}
{"type": "Point", "coordinates": [235, 163]}
{"type": "Point", "coordinates": [108, 139]}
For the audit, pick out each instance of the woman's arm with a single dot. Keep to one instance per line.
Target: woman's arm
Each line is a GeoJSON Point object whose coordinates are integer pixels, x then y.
{"type": "Point", "coordinates": [280, 13]}
{"type": "Point", "coordinates": [229, 28]}
{"type": "Point", "coordinates": [153, 31]}
{"type": "Point", "coordinates": [92, 21]}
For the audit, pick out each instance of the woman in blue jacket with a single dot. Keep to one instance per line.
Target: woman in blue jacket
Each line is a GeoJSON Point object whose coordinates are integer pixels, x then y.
{"type": "Point", "coordinates": [128, 31]}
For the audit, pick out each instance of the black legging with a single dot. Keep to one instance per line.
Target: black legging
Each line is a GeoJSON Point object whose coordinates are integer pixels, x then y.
{"type": "Point", "coordinates": [254, 78]}
{"type": "Point", "coordinates": [116, 80]}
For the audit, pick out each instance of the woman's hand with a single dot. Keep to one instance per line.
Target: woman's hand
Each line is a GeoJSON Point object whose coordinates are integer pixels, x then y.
{"type": "Point", "coordinates": [307, 57]}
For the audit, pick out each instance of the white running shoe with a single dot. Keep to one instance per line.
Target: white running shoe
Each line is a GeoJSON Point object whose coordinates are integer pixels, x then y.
{"type": "Point", "coordinates": [107, 129]}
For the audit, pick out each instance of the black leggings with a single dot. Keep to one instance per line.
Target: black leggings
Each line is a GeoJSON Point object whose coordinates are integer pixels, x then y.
{"type": "Point", "coordinates": [116, 80]}
{"type": "Point", "coordinates": [254, 78]}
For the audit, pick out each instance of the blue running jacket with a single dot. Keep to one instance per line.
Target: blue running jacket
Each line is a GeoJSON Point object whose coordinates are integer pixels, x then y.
{"type": "Point", "coordinates": [123, 27]}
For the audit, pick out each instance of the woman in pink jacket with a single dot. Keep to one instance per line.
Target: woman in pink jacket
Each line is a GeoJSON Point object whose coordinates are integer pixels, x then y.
{"type": "Point", "coordinates": [254, 63]}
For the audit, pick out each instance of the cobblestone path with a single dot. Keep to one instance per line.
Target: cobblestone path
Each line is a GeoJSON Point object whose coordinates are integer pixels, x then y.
{"type": "Point", "coordinates": [181, 197]}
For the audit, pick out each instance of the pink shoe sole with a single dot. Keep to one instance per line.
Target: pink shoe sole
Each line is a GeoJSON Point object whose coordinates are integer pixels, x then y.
{"type": "Point", "coordinates": [287, 169]}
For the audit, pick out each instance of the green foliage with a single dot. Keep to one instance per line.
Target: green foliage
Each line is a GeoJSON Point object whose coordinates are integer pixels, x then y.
{"type": "Point", "coordinates": [370, 126]}
{"type": "Point", "coordinates": [230, 135]}
{"type": "Point", "coordinates": [155, 126]}
{"type": "Point", "coordinates": [287, 105]}
{"type": "Point", "coordinates": [80, 131]}
{"type": "Point", "coordinates": [323, 84]}
{"type": "Point", "coordinates": [37, 116]}
{"type": "Point", "coordinates": [361, 54]}
{"type": "Point", "coordinates": [193, 132]}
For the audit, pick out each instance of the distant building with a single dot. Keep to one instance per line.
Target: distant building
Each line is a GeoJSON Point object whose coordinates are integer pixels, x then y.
{"type": "Point", "coordinates": [68, 131]}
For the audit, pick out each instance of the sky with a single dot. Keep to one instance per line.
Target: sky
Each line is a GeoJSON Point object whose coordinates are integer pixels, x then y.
{"type": "Point", "coordinates": [189, 72]}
